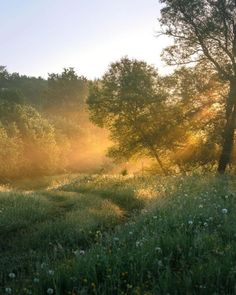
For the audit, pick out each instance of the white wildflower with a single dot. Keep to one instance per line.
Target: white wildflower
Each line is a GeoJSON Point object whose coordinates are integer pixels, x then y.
{"type": "Point", "coordinates": [12, 275]}
{"type": "Point", "coordinates": [49, 291]}
{"type": "Point", "coordinates": [36, 280]}
{"type": "Point", "coordinates": [224, 211]}
{"type": "Point", "coordinates": [158, 249]}
{"type": "Point", "coordinates": [51, 272]}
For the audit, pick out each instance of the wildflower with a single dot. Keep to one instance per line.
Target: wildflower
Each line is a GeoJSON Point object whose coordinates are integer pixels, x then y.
{"type": "Point", "coordinates": [81, 252]}
{"type": "Point", "coordinates": [158, 249]}
{"type": "Point", "coordinates": [8, 290]}
{"type": "Point", "coordinates": [200, 206]}
{"type": "Point", "coordinates": [49, 291]}
{"type": "Point", "coordinates": [205, 224]}
{"type": "Point", "coordinates": [137, 243]}
{"type": "Point", "coordinates": [224, 211]}
{"type": "Point", "coordinates": [51, 272]}
{"type": "Point", "coordinates": [190, 222]}
{"type": "Point", "coordinates": [12, 275]}
{"type": "Point", "coordinates": [36, 280]}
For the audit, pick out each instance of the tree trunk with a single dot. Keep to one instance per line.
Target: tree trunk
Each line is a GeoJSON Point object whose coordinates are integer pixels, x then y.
{"type": "Point", "coordinates": [159, 162]}
{"type": "Point", "coordinates": [228, 136]}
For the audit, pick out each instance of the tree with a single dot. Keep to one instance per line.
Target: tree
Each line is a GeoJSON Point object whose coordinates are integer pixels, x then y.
{"type": "Point", "coordinates": [31, 88]}
{"type": "Point", "coordinates": [28, 142]}
{"type": "Point", "coordinates": [131, 103]}
{"type": "Point", "coordinates": [66, 91]}
{"type": "Point", "coordinates": [205, 31]}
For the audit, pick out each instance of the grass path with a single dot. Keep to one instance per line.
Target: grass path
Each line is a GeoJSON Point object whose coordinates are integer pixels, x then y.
{"type": "Point", "coordinates": [53, 224]}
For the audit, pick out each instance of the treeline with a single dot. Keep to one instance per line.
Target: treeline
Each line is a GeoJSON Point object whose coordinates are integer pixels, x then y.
{"type": "Point", "coordinates": [45, 127]}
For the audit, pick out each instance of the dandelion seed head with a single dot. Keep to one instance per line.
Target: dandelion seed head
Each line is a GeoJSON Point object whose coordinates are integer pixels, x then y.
{"type": "Point", "coordinates": [12, 275]}
{"type": "Point", "coordinates": [36, 280]}
{"type": "Point", "coordinates": [49, 291]}
{"type": "Point", "coordinates": [224, 211]}
{"type": "Point", "coordinates": [8, 290]}
{"type": "Point", "coordinates": [51, 272]}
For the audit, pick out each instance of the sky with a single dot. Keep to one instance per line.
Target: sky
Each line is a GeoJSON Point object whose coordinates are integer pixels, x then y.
{"type": "Point", "coordinates": [44, 36]}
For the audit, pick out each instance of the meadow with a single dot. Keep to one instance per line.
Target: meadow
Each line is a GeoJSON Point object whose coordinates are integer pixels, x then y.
{"type": "Point", "coordinates": [98, 234]}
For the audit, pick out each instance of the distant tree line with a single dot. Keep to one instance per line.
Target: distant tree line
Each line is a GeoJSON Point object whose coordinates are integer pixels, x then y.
{"type": "Point", "coordinates": [44, 124]}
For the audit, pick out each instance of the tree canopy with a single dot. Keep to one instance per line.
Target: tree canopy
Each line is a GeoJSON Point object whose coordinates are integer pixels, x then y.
{"type": "Point", "coordinates": [132, 103]}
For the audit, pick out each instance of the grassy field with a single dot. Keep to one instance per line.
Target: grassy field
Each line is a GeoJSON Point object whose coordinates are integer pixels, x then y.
{"type": "Point", "coordinates": [119, 235]}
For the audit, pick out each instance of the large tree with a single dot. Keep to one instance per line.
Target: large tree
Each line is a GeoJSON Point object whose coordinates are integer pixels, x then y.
{"type": "Point", "coordinates": [131, 102]}
{"type": "Point", "coordinates": [205, 31]}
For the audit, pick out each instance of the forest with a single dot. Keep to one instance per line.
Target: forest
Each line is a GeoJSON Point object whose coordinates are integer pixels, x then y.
{"type": "Point", "coordinates": [125, 184]}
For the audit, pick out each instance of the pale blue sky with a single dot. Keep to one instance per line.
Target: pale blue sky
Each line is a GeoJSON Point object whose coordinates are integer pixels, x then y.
{"type": "Point", "coordinates": [43, 36]}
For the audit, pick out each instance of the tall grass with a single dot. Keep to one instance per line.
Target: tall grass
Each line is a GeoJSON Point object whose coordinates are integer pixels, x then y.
{"type": "Point", "coordinates": [183, 241]}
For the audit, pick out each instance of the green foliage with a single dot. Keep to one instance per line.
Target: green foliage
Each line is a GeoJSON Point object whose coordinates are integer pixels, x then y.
{"type": "Point", "coordinates": [10, 97]}
{"type": "Point", "coordinates": [19, 211]}
{"type": "Point", "coordinates": [124, 172]}
{"type": "Point", "coordinates": [38, 138]}
{"type": "Point", "coordinates": [66, 91]}
{"type": "Point", "coordinates": [11, 151]}
{"type": "Point", "coordinates": [131, 102]}
{"type": "Point", "coordinates": [202, 30]}
{"type": "Point", "coordinates": [31, 88]}
{"type": "Point", "coordinates": [205, 31]}
{"type": "Point", "coordinates": [199, 96]}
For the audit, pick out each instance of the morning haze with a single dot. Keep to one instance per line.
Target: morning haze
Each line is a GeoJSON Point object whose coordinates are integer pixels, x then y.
{"type": "Point", "coordinates": [117, 147]}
